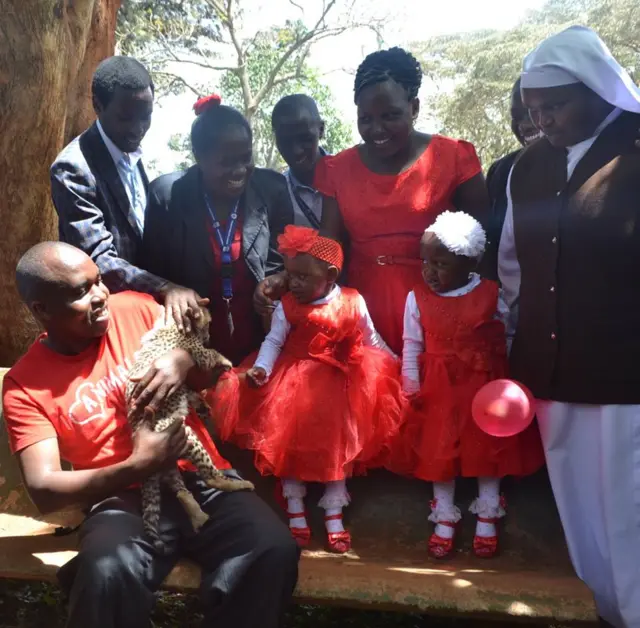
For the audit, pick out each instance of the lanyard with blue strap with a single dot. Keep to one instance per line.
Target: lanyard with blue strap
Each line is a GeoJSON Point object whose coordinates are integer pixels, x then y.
{"type": "Point", "coordinates": [225, 241]}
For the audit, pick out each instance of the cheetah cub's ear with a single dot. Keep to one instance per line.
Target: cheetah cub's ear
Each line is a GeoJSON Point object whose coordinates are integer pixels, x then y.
{"type": "Point", "coordinates": [201, 325]}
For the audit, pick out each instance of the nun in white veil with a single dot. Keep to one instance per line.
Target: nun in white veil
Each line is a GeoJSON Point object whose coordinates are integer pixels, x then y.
{"type": "Point", "coordinates": [592, 451]}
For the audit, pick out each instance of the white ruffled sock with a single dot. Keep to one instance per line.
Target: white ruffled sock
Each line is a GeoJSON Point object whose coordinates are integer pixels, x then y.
{"type": "Point", "coordinates": [333, 501]}
{"type": "Point", "coordinates": [444, 508]}
{"type": "Point", "coordinates": [294, 492]}
{"type": "Point", "coordinates": [487, 506]}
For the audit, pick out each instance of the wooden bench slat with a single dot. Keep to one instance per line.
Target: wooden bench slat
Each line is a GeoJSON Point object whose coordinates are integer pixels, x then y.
{"type": "Point", "coordinates": [465, 586]}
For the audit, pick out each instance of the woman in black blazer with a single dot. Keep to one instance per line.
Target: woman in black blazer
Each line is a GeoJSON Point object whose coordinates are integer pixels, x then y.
{"type": "Point", "coordinates": [213, 229]}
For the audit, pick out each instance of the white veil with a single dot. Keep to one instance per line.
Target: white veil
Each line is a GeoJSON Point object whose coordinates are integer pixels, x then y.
{"type": "Point", "coordinates": [578, 55]}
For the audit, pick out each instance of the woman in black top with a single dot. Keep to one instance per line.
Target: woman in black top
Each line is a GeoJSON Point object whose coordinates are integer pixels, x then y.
{"type": "Point", "coordinates": [497, 178]}
{"type": "Point", "coordinates": [214, 228]}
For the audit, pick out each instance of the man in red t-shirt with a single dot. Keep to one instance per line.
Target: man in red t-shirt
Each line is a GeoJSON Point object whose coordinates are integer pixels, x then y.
{"type": "Point", "coordinates": [64, 399]}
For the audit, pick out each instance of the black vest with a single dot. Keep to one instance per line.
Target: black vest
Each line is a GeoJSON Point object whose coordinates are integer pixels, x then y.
{"type": "Point", "coordinates": [578, 245]}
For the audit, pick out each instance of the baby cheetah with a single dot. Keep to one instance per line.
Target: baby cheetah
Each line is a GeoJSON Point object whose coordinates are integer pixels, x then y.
{"type": "Point", "coordinates": [158, 342]}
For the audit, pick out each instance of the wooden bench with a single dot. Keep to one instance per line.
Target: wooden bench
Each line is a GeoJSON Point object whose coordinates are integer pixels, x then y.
{"type": "Point", "coordinates": [388, 568]}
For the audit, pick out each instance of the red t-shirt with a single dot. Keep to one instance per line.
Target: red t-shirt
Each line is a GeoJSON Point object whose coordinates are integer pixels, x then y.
{"type": "Point", "coordinates": [80, 399]}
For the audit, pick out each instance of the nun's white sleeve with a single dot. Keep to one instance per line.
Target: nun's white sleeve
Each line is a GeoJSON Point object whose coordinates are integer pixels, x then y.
{"type": "Point", "coordinates": [508, 265]}
{"type": "Point", "coordinates": [413, 347]}
{"type": "Point", "coordinates": [504, 315]}
{"type": "Point", "coordinates": [272, 344]}
{"type": "Point", "coordinates": [370, 337]}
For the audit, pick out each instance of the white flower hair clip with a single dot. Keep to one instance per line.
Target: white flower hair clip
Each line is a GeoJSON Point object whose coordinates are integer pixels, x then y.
{"type": "Point", "coordinates": [460, 233]}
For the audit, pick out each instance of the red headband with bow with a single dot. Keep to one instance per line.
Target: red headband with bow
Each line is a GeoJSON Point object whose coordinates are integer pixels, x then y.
{"type": "Point", "coordinates": [296, 240]}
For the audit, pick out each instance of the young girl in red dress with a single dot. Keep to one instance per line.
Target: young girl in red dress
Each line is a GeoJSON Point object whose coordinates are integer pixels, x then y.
{"type": "Point", "coordinates": [323, 397]}
{"type": "Point", "coordinates": [454, 343]}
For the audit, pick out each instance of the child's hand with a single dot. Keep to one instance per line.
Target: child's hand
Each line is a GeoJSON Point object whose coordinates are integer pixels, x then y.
{"type": "Point", "coordinates": [256, 377]}
{"type": "Point", "coordinates": [410, 387]}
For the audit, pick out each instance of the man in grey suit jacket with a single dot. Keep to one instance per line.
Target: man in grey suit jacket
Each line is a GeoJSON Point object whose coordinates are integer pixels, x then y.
{"type": "Point", "coordinates": [99, 186]}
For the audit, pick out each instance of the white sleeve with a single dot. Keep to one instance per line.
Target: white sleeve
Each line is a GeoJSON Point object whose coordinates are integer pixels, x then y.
{"type": "Point", "coordinates": [502, 313]}
{"type": "Point", "coordinates": [508, 265]}
{"type": "Point", "coordinates": [413, 348]}
{"type": "Point", "coordinates": [272, 344]}
{"type": "Point", "coordinates": [371, 338]}
{"type": "Point", "coordinates": [505, 316]}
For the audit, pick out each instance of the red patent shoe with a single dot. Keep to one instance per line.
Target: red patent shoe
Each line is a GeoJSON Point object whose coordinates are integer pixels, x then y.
{"type": "Point", "coordinates": [302, 536]}
{"type": "Point", "coordinates": [485, 546]}
{"type": "Point", "coordinates": [439, 547]}
{"type": "Point", "coordinates": [338, 542]}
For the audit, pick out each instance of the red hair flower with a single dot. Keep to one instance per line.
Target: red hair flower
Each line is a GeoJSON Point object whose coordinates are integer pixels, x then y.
{"type": "Point", "coordinates": [206, 102]}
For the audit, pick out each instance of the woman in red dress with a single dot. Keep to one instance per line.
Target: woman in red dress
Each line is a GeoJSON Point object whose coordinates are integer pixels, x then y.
{"type": "Point", "coordinates": [322, 400]}
{"type": "Point", "coordinates": [381, 195]}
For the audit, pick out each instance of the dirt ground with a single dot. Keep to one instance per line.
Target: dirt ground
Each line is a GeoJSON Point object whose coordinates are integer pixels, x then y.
{"type": "Point", "coordinates": [40, 605]}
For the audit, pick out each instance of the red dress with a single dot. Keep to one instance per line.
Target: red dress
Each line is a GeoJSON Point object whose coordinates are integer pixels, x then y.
{"type": "Point", "coordinates": [464, 349]}
{"type": "Point", "coordinates": [331, 404]}
{"type": "Point", "coordinates": [386, 215]}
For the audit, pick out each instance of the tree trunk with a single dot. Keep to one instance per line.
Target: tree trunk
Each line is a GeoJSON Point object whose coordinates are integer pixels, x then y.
{"type": "Point", "coordinates": [48, 52]}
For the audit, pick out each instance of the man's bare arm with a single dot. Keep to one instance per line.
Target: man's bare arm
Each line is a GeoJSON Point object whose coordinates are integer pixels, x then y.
{"type": "Point", "coordinates": [51, 488]}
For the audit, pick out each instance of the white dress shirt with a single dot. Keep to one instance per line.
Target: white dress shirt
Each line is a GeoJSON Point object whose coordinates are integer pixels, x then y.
{"type": "Point", "coordinates": [130, 175]}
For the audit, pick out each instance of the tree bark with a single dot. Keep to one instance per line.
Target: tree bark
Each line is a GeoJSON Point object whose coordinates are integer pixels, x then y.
{"type": "Point", "coordinates": [49, 50]}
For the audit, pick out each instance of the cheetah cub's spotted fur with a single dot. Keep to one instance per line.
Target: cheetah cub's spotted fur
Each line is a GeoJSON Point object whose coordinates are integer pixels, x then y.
{"type": "Point", "coordinates": [156, 343]}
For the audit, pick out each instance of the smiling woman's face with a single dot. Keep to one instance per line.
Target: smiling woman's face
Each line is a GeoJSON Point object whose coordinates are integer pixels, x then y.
{"type": "Point", "coordinates": [227, 166]}
{"type": "Point", "coordinates": [521, 124]}
{"type": "Point", "coordinates": [385, 117]}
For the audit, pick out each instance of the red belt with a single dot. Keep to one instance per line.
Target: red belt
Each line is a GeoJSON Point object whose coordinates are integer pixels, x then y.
{"type": "Point", "coordinates": [389, 260]}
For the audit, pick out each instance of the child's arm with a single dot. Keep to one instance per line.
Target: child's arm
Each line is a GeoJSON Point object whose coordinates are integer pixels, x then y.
{"type": "Point", "coordinates": [370, 337]}
{"type": "Point", "coordinates": [413, 348]}
{"type": "Point", "coordinates": [272, 344]}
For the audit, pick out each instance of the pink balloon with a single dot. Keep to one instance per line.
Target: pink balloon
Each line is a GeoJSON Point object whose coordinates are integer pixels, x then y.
{"type": "Point", "coordinates": [503, 408]}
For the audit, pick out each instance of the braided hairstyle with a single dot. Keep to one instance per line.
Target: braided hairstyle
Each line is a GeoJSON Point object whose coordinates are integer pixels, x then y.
{"type": "Point", "coordinates": [212, 120]}
{"type": "Point", "coordinates": [394, 64]}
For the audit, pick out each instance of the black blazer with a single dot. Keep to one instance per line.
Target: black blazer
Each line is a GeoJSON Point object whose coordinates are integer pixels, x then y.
{"type": "Point", "coordinates": [94, 212]}
{"type": "Point", "coordinates": [176, 243]}
{"type": "Point", "coordinates": [497, 178]}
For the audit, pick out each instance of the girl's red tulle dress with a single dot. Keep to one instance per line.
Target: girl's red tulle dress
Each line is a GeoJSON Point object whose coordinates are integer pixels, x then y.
{"type": "Point", "coordinates": [465, 348]}
{"type": "Point", "coordinates": [331, 405]}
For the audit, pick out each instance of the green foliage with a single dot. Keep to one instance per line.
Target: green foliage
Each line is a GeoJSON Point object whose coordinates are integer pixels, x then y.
{"type": "Point", "coordinates": [158, 32]}
{"type": "Point", "coordinates": [473, 73]}
{"type": "Point", "coordinates": [173, 35]}
{"type": "Point", "coordinates": [296, 77]}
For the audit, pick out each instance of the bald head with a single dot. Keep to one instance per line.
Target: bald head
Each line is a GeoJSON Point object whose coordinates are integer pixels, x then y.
{"type": "Point", "coordinates": [295, 106]}
{"type": "Point", "coordinates": [45, 268]}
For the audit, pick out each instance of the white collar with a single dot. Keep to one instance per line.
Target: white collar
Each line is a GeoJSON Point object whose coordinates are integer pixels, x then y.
{"type": "Point", "coordinates": [335, 292]}
{"type": "Point", "coordinates": [474, 282]}
{"type": "Point", "coordinates": [612, 117]}
{"type": "Point", "coordinates": [115, 152]}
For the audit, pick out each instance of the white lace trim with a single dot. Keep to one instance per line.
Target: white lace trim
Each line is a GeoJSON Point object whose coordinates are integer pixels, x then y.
{"type": "Point", "coordinates": [445, 513]}
{"type": "Point", "coordinates": [293, 489]}
{"type": "Point", "coordinates": [486, 509]}
{"type": "Point", "coordinates": [335, 500]}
